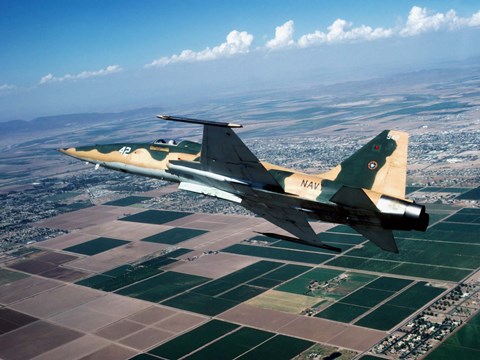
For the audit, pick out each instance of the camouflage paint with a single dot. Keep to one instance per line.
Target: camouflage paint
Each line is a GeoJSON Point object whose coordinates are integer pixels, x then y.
{"type": "Point", "coordinates": [387, 152]}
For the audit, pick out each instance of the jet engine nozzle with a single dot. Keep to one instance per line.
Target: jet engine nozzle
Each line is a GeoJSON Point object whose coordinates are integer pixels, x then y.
{"type": "Point", "coordinates": [403, 214]}
{"type": "Point", "coordinates": [418, 217]}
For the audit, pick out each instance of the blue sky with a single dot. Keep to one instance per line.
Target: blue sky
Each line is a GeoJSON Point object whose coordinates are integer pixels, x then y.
{"type": "Point", "coordinates": [78, 56]}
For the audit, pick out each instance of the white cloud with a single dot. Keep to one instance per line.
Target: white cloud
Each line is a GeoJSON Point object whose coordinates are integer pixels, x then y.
{"type": "Point", "coordinates": [341, 30]}
{"type": "Point", "coordinates": [7, 87]}
{"type": "Point", "coordinates": [474, 19]}
{"type": "Point", "coordinates": [111, 69]}
{"type": "Point", "coordinates": [283, 36]}
{"type": "Point", "coordinates": [237, 43]}
{"type": "Point", "coordinates": [420, 21]}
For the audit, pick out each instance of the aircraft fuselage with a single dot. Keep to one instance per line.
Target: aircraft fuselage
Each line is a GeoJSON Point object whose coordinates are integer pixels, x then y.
{"type": "Point", "coordinates": [155, 160]}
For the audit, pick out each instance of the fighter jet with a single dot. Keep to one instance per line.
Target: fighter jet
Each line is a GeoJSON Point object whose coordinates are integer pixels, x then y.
{"type": "Point", "coordinates": [366, 191]}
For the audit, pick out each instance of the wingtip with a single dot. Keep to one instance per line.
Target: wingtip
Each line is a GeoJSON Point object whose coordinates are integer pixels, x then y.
{"type": "Point", "coordinates": [197, 121]}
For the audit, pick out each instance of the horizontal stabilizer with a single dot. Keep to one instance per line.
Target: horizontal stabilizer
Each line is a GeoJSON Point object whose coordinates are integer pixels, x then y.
{"type": "Point", "coordinates": [383, 238]}
{"type": "Point", "coordinates": [353, 197]}
{"type": "Point", "coordinates": [300, 241]}
{"type": "Point", "coordinates": [197, 121]}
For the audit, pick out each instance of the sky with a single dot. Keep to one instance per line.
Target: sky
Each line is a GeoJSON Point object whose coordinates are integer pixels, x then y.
{"type": "Point", "coordinates": [67, 56]}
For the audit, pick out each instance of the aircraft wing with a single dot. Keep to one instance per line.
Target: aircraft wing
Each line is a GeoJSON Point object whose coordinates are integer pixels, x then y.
{"type": "Point", "coordinates": [283, 211]}
{"type": "Point", "coordinates": [224, 153]}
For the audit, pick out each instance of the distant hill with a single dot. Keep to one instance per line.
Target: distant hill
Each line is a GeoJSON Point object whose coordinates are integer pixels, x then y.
{"type": "Point", "coordinates": [64, 121]}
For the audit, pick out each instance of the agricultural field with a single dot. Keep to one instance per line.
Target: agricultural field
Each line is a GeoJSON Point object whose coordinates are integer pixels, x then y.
{"type": "Point", "coordinates": [218, 295]}
{"type": "Point", "coordinates": [400, 307]}
{"type": "Point", "coordinates": [278, 253]}
{"type": "Point", "coordinates": [361, 301]}
{"type": "Point", "coordinates": [127, 201]}
{"type": "Point", "coordinates": [96, 246]}
{"type": "Point", "coordinates": [158, 217]}
{"type": "Point", "coordinates": [435, 254]}
{"type": "Point", "coordinates": [228, 341]}
{"type": "Point", "coordinates": [174, 236]}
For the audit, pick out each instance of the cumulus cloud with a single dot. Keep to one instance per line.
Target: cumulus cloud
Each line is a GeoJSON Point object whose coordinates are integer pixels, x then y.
{"type": "Point", "coordinates": [50, 78]}
{"type": "Point", "coordinates": [236, 43]}
{"type": "Point", "coordinates": [283, 36]}
{"type": "Point", "coordinates": [474, 19]}
{"type": "Point", "coordinates": [342, 30]}
{"type": "Point", "coordinates": [420, 21]}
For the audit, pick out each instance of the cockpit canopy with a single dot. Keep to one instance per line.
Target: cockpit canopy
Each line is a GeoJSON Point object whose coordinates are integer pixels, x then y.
{"type": "Point", "coordinates": [165, 142]}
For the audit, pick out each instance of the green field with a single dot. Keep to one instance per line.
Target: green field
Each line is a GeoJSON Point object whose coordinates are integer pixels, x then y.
{"type": "Point", "coordinates": [129, 200]}
{"type": "Point", "coordinates": [469, 211]}
{"type": "Point", "coordinates": [227, 341]}
{"type": "Point", "coordinates": [465, 218]}
{"type": "Point", "coordinates": [400, 307]}
{"type": "Point", "coordinates": [174, 236]}
{"type": "Point", "coordinates": [342, 312]}
{"type": "Point", "coordinates": [426, 253]}
{"type": "Point", "coordinates": [447, 226]}
{"type": "Point", "coordinates": [435, 254]}
{"type": "Point", "coordinates": [411, 189]}
{"type": "Point", "coordinates": [279, 348]}
{"type": "Point", "coordinates": [251, 271]}
{"type": "Point", "coordinates": [388, 283]}
{"type": "Point", "coordinates": [279, 275]}
{"type": "Point", "coordinates": [233, 345]}
{"type": "Point", "coordinates": [431, 272]}
{"type": "Point", "coordinates": [385, 317]}
{"type": "Point", "coordinates": [162, 286]}
{"type": "Point", "coordinates": [127, 274]}
{"type": "Point", "coordinates": [119, 277]}
{"type": "Point", "coordinates": [277, 253]}
{"type": "Point", "coordinates": [242, 293]}
{"type": "Point", "coordinates": [221, 294]}
{"type": "Point", "coordinates": [157, 217]}
{"type": "Point", "coordinates": [366, 297]}
{"type": "Point", "coordinates": [96, 246]}
{"type": "Point", "coordinates": [201, 304]}
{"type": "Point", "coordinates": [296, 246]}
{"type": "Point", "coordinates": [416, 296]}
{"type": "Point", "coordinates": [473, 194]}
{"type": "Point", "coordinates": [360, 301]}
{"type": "Point", "coordinates": [193, 340]}
{"type": "Point", "coordinates": [443, 236]}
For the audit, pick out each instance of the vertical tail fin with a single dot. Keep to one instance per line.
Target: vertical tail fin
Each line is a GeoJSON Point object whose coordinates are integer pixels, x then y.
{"type": "Point", "coordinates": [380, 165]}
